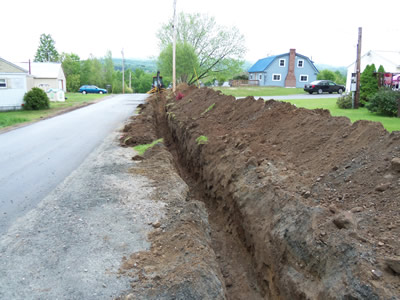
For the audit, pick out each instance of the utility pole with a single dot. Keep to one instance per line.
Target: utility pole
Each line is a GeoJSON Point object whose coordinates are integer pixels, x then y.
{"type": "Point", "coordinates": [358, 70]}
{"type": "Point", "coordinates": [174, 50]}
{"type": "Point", "coordinates": [130, 79]}
{"type": "Point", "coordinates": [123, 72]}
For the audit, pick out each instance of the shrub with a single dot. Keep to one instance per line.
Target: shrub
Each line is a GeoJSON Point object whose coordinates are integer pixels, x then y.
{"type": "Point", "coordinates": [384, 102]}
{"type": "Point", "coordinates": [344, 101]}
{"type": "Point", "coordinates": [368, 84]}
{"type": "Point", "coordinates": [36, 99]}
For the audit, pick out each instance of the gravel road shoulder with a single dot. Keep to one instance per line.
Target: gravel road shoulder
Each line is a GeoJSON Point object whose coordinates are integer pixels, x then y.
{"type": "Point", "coordinates": [71, 246]}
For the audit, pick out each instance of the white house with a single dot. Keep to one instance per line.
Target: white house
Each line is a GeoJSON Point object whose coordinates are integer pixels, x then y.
{"type": "Point", "coordinates": [47, 75]}
{"type": "Point", "coordinates": [390, 60]}
{"type": "Point", "coordinates": [14, 83]}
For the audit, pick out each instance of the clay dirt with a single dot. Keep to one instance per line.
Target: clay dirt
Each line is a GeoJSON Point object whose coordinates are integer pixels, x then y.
{"type": "Point", "coordinates": [278, 202]}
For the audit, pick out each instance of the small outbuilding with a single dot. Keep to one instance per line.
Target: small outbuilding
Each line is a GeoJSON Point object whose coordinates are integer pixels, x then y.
{"type": "Point", "coordinates": [47, 75]}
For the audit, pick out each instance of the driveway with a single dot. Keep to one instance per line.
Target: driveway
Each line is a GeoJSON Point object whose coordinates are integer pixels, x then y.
{"type": "Point", "coordinates": [36, 158]}
{"type": "Point", "coordinates": [295, 97]}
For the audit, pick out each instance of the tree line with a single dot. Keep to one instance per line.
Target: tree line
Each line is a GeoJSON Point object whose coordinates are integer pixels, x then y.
{"type": "Point", "coordinates": [205, 51]}
{"type": "Point", "coordinates": [92, 71]}
{"type": "Point", "coordinates": [102, 73]}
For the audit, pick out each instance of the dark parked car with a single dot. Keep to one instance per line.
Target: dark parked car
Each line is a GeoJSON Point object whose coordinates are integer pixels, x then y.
{"type": "Point", "coordinates": [324, 86]}
{"type": "Point", "coordinates": [86, 89]}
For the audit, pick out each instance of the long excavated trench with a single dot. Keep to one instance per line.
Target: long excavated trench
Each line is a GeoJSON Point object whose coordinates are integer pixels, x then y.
{"type": "Point", "coordinates": [233, 258]}
{"type": "Point", "coordinates": [300, 205]}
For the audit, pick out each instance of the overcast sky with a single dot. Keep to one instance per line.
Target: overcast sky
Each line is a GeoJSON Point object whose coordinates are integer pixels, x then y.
{"type": "Point", "coordinates": [325, 31]}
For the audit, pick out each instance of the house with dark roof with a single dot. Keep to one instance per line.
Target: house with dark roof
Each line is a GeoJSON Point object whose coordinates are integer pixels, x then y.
{"type": "Point", "coordinates": [285, 70]}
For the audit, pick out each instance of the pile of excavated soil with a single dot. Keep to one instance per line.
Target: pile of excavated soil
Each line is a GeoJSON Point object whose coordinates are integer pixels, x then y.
{"type": "Point", "coordinates": [313, 198]}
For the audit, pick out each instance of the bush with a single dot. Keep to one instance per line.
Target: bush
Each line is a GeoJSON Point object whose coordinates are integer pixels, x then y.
{"type": "Point", "coordinates": [241, 77]}
{"type": "Point", "coordinates": [344, 101]}
{"type": "Point", "coordinates": [384, 102]}
{"type": "Point", "coordinates": [36, 99]}
{"type": "Point", "coordinates": [368, 84]}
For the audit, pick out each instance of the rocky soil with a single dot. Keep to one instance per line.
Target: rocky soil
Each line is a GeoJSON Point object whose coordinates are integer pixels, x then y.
{"type": "Point", "coordinates": [276, 202]}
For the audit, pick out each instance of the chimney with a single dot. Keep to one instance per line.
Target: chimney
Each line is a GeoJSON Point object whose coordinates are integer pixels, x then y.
{"type": "Point", "coordinates": [290, 80]}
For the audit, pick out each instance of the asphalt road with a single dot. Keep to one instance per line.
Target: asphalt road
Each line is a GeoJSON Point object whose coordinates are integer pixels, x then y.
{"type": "Point", "coordinates": [36, 158]}
{"type": "Point", "coordinates": [72, 244]}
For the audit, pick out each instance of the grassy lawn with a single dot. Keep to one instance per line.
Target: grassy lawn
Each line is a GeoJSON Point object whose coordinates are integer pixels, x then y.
{"type": "Point", "coordinates": [390, 123]}
{"type": "Point", "coordinates": [259, 91]}
{"type": "Point", "coordinates": [8, 118]}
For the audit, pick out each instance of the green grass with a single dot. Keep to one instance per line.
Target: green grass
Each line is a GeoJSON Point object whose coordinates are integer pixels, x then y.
{"type": "Point", "coordinates": [390, 123]}
{"type": "Point", "coordinates": [141, 149]}
{"type": "Point", "coordinates": [259, 91]}
{"type": "Point", "coordinates": [9, 118]}
{"type": "Point", "coordinates": [202, 140]}
{"type": "Point", "coordinates": [208, 109]}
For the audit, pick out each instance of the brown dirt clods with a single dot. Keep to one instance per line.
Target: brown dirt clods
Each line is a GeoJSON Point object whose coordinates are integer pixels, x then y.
{"type": "Point", "coordinates": [301, 205]}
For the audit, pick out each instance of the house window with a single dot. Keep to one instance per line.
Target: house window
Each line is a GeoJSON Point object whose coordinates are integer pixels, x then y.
{"type": "Point", "coordinates": [3, 84]}
{"type": "Point", "coordinates": [282, 62]}
{"type": "Point", "coordinates": [300, 63]}
{"type": "Point", "coordinates": [276, 77]}
{"type": "Point", "coordinates": [260, 77]}
{"type": "Point", "coordinates": [251, 76]}
{"type": "Point", "coordinates": [303, 78]}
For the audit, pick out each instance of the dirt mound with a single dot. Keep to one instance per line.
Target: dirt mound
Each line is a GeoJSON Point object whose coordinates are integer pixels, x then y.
{"type": "Point", "coordinates": [314, 198]}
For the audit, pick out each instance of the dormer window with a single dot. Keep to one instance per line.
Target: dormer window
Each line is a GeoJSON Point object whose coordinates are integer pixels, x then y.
{"type": "Point", "coordinates": [282, 62]}
{"type": "Point", "coordinates": [300, 63]}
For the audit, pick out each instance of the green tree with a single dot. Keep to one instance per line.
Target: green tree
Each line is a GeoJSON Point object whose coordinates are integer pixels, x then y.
{"type": "Point", "coordinates": [368, 83]}
{"type": "Point", "coordinates": [91, 72]}
{"type": "Point", "coordinates": [108, 68]}
{"type": "Point", "coordinates": [117, 84]}
{"type": "Point", "coordinates": [186, 61]}
{"type": "Point", "coordinates": [381, 69]}
{"type": "Point", "coordinates": [71, 65]}
{"type": "Point", "coordinates": [340, 78]}
{"type": "Point", "coordinates": [326, 75]}
{"type": "Point", "coordinates": [215, 46]}
{"type": "Point", "coordinates": [46, 51]}
{"type": "Point", "coordinates": [141, 81]}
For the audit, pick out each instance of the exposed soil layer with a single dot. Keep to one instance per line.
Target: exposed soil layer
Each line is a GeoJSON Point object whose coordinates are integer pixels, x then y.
{"type": "Point", "coordinates": [312, 198]}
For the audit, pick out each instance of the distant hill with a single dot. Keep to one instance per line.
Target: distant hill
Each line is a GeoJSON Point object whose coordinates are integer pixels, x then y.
{"type": "Point", "coordinates": [321, 67]}
{"type": "Point", "coordinates": [150, 66]}
{"type": "Point", "coordinates": [147, 65]}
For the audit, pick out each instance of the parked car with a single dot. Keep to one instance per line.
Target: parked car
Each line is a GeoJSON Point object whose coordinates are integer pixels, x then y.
{"type": "Point", "coordinates": [86, 89]}
{"type": "Point", "coordinates": [324, 86]}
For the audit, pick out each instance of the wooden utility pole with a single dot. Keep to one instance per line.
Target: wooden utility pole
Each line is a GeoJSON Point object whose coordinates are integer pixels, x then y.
{"type": "Point", "coordinates": [174, 50]}
{"type": "Point", "coordinates": [123, 72]}
{"type": "Point", "coordinates": [398, 108]}
{"type": "Point", "coordinates": [358, 70]}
